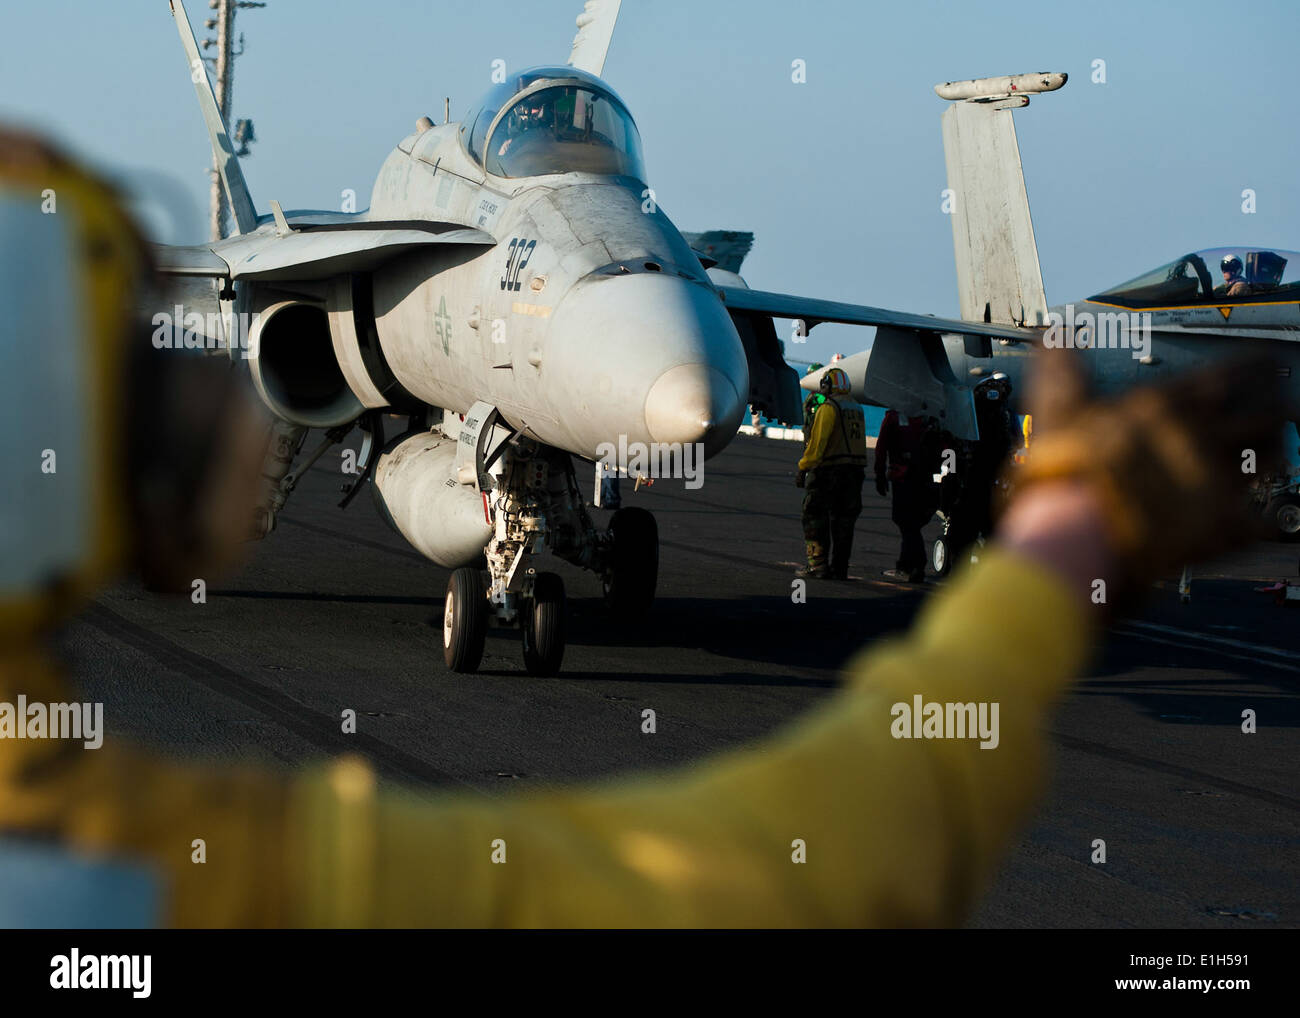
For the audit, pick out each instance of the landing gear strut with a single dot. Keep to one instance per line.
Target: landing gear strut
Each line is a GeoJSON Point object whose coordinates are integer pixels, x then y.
{"type": "Point", "coordinates": [534, 504]}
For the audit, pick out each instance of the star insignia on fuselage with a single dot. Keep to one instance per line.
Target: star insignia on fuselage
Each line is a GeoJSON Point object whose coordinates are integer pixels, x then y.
{"type": "Point", "coordinates": [443, 326]}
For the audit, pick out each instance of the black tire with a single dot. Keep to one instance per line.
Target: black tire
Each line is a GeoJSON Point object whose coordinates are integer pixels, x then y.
{"type": "Point", "coordinates": [634, 570]}
{"type": "Point", "coordinates": [543, 626]}
{"type": "Point", "coordinates": [464, 621]}
{"type": "Point", "coordinates": [1283, 514]}
{"type": "Point", "coordinates": [941, 557]}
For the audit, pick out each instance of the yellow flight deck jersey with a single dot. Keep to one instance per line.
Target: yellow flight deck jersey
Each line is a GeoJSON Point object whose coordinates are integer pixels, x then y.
{"type": "Point", "coordinates": [891, 831]}
{"type": "Point", "coordinates": [838, 436]}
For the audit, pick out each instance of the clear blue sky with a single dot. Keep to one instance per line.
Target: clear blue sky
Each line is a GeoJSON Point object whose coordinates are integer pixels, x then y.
{"type": "Point", "coordinates": [839, 178]}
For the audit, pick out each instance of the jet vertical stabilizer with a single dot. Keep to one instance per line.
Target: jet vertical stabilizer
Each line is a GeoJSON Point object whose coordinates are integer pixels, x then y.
{"type": "Point", "coordinates": [595, 30]}
{"type": "Point", "coordinates": [232, 177]}
{"type": "Point", "coordinates": [998, 275]}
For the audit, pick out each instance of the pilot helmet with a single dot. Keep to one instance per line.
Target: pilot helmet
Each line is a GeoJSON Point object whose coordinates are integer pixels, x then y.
{"type": "Point", "coordinates": [1231, 263]}
{"type": "Point", "coordinates": [533, 109]}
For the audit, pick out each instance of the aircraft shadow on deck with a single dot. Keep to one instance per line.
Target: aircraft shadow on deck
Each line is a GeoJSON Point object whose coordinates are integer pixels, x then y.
{"type": "Point", "coordinates": [812, 638]}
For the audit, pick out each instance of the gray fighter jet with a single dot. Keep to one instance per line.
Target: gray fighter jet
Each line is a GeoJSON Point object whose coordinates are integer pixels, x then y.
{"type": "Point", "coordinates": [515, 295]}
{"type": "Point", "coordinates": [1198, 307]}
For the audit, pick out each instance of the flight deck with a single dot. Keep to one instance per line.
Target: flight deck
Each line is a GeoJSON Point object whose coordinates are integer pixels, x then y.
{"type": "Point", "coordinates": [335, 612]}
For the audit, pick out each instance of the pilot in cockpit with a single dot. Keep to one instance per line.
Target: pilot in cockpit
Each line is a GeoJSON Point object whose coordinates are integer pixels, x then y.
{"type": "Point", "coordinates": [531, 114]}
{"type": "Point", "coordinates": [1234, 283]}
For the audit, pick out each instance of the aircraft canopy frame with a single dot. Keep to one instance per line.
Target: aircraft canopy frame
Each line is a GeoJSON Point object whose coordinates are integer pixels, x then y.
{"type": "Point", "coordinates": [1270, 274]}
{"type": "Point", "coordinates": [583, 126]}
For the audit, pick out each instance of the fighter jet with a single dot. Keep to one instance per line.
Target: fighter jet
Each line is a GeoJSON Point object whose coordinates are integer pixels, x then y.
{"type": "Point", "coordinates": [516, 296]}
{"type": "Point", "coordinates": [1200, 306]}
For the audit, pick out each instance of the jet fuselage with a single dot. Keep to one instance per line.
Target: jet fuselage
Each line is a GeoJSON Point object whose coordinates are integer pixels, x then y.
{"type": "Point", "coordinates": [590, 319]}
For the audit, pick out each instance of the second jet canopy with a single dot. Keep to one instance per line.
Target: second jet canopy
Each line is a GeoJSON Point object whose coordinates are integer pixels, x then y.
{"type": "Point", "coordinates": [1216, 275]}
{"type": "Point", "coordinates": [554, 120]}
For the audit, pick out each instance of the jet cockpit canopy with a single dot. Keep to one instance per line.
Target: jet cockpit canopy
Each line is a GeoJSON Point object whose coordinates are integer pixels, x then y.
{"type": "Point", "coordinates": [1219, 275]}
{"type": "Point", "coordinates": [553, 120]}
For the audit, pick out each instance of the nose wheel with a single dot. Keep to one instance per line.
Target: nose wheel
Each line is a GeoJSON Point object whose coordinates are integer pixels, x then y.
{"type": "Point", "coordinates": [542, 621]}
{"type": "Point", "coordinates": [466, 615]}
{"type": "Point", "coordinates": [535, 507]}
{"type": "Point", "coordinates": [464, 621]}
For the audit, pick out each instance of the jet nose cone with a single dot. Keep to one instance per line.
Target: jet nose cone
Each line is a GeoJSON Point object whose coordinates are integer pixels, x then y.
{"type": "Point", "coordinates": [693, 404]}
{"type": "Point", "coordinates": [646, 358]}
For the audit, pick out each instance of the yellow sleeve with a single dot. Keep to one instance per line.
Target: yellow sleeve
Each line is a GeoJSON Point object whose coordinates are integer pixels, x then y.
{"type": "Point", "coordinates": [823, 422]}
{"type": "Point", "coordinates": [894, 831]}
{"type": "Point", "coordinates": [210, 837]}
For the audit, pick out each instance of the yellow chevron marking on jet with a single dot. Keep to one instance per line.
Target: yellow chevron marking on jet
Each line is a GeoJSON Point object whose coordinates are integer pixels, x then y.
{"type": "Point", "coordinates": [1188, 307]}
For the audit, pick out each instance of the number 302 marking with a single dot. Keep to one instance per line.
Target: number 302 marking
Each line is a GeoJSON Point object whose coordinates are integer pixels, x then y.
{"type": "Point", "coordinates": [520, 252]}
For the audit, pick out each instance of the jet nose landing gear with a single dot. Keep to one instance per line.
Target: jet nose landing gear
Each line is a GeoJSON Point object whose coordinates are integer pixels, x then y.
{"type": "Point", "coordinates": [533, 505]}
{"type": "Point", "coordinates": [468, 613]}
{"type": "Point", "coordinates": [464, 621]}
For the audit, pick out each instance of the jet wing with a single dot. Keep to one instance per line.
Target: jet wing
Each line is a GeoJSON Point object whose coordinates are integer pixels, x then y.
{"type": "Point", "coordinates": [312, 250]}
{"type": "Point", "coordinates": [199, 260]}
{"type": "Point", "coordinates": [906, 368]}
{"type": "Point", "coordinates": [812, 310]}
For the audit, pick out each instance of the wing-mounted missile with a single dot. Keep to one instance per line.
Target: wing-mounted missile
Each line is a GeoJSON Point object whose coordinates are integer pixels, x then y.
{"type": "Point", "coordinates": [1010, 92]}
{"type": "Point", "coordinates": [907, 371]}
